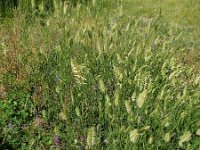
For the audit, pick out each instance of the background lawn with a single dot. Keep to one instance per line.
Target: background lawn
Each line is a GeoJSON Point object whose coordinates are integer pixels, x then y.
{"type": "Point", "coordinates": [182, 14]}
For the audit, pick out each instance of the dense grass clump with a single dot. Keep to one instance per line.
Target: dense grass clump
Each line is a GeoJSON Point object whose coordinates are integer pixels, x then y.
{"type": "Point", "coordinates": [84, 79]}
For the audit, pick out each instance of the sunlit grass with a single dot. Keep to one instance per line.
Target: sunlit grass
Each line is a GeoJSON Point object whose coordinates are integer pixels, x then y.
{"type": "Point", "coordinates": [83, 78]}
{"type": "Point", "coordinates": [183, 14]}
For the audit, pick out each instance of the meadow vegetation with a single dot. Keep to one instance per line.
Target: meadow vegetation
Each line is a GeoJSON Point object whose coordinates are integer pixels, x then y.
{"type": "Point", "coordinates": [99, 75]}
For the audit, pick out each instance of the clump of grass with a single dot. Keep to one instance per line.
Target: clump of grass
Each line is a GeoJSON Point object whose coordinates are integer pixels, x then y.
{"type": "Point", "coordinates": [85, 79]}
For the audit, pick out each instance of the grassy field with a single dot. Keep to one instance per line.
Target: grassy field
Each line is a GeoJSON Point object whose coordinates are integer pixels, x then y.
{"type": "Point", "coordinates": [182, 14]}
{"type": "Point", "coordinates": [107, 75]}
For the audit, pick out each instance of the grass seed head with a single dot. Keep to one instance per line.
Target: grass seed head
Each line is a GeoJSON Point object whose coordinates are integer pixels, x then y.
{"type": "Point", "coordinates": [198, 132]}
{"type": "Point", "coordinates": [78, 112]}
{"type": "Point", "coordinates": [141, 98]}
{"type": "Point", "coordinates": [102, 86]}
{"type": "Point", "coordinates": [197, 80]}
{"type": "Point", "coordinates": [128, 107]}
{"type": "Point", "coordinates": [184, 138]}
{"type": "Point", "coordinates": [91, 137]}
{"type": "Point", "coordinates": [167, 137]}
{"type": "Point", "coordinates": [150, 141]}
{"type": "Point", "coordinates": [65, 7]}
{"type": "Point", "coordinates": [134, 135]}
{"type": "Point", "coordinates": [116, 98]}
{"type": "Point", "coordinates": [33, 4]}
{"type": "Point", "coordinates": [133, 97]}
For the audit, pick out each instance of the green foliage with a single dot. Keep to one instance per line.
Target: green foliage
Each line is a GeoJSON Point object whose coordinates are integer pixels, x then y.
{"type": "Point", "coordinates": [83, 78]}
{"type": "Point", "coordinates": [7, 6]}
